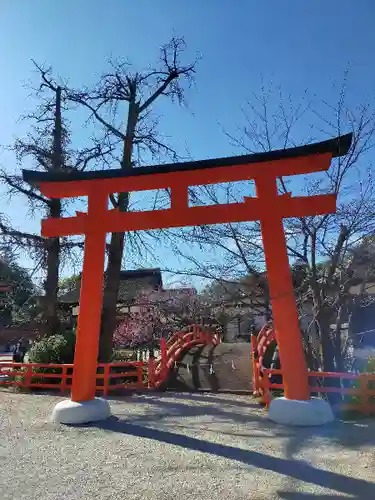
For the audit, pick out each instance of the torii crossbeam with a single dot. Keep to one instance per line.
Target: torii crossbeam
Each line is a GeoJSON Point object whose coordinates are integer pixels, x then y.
{"type": "Point", "coordinates": [268, 206]}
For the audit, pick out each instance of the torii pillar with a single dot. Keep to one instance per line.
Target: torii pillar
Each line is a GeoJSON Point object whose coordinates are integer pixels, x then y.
{"type": "Point", "coordinates": [268, 206]}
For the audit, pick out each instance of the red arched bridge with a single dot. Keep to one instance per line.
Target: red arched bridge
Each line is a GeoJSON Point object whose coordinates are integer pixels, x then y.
{"type": "Point", "coordinates": [176, 347]}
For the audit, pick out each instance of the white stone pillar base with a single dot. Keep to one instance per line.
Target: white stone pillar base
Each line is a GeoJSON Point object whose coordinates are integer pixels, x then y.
{"type": "Point", "coordinates": [314, 411]}
{"type": "Point", "coordinates": [72, 412]}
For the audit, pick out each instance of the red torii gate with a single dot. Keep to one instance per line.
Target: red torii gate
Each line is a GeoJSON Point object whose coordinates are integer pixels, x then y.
{"type": "Point", "coordinates": [268, 206]}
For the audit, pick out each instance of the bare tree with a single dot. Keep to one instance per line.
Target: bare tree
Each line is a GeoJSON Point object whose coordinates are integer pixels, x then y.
{"type": "Point", "coordinates": [325, 244]}
{"type": "Point", "coordinates": [121, 104]}
{"type": "Point", "coordinates": [322, 246]}
{"type": "Point", "coordinates": [48, 147]}
{"type": "Point", "coordinates": [235, 259]}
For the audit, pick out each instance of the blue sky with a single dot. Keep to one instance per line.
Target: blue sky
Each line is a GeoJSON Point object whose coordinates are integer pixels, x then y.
{"type": "Point", "coordinates": [296, 44]}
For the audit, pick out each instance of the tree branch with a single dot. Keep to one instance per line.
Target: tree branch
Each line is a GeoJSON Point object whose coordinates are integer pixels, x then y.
{"type": "Point", "coordinates": [15, 183]}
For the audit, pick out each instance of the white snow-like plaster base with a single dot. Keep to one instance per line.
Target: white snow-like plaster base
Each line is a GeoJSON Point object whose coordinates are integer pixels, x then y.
{"type": "Point", "coordinates": [72, 412]}
{"type": "Point", "coordinates": [292, 412]}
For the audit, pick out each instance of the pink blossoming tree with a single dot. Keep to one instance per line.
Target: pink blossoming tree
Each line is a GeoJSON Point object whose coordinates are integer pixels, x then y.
{"type": "Point", "coordinates": [157, 314]}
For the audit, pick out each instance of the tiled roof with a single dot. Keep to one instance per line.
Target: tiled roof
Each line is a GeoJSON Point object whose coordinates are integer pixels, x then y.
{"type": "Point", "coordinates": [131, 283]}
{"type": "Point", "coordinates": [338, 146]}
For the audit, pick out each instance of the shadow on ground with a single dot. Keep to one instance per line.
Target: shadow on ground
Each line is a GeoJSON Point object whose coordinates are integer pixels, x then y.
{"type": "Point", "coordinates": [295, 495]}
{"type": "Point", "coordinates": [294, 469]}
{"type": "Point", "coordinates": [349, 434]}
{"type": "Point", "coordinates": [340, 433]}
{"type": "Point", "coordinates": [163, 406]}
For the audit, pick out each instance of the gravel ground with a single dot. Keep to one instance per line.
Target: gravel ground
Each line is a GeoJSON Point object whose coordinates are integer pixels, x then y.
{"type": "Point", "coordinates": [179, 446]}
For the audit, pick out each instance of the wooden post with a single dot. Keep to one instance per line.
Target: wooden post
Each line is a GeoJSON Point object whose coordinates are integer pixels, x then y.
{"type": "Point", "coordinates": [254, 365]}
{"type": "Point", "coordinates": [63, 383]}
{"type": "Point", "coordinates": [28, 376]}
{"type": "Point", "coordinates": [91, 298]}
{"type": "Point", "coordinates": [151, 372]}
{"type": "Point", "coordinates": [106, 377]}
{"type": "Point", "coordinates": [164, 356]}
{"type": "Point", "coordinates": [140, 383]}
{"type": "Point", "coordinates": [284, 311]}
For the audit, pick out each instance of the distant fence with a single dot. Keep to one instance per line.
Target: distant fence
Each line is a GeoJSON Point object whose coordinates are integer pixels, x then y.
{"type": "Point", "coordinates": [361, 394]}
{"type": "Point", "coordinates": [5, 356]}
{"type": "Point", "coordinates": [109, 376]}
{"type": "Point", "coordinates": [362, 397]}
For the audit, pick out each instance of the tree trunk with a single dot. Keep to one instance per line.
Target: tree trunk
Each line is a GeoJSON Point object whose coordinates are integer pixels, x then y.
{"type": "Point", "coordinates": [337, 341]}
{"type": "Point", "coordinates": [116, 248]}
{"type": "Point", "coordinates": [50, 319]}
{"type": "Point", "coordinates": [51, 323]}
{"type": "Point", "coordinates": [267, 300]}
{"type": "Point", "coordinates": [112, 284]}
{"type": "Point", "coordinates": [328, 354]}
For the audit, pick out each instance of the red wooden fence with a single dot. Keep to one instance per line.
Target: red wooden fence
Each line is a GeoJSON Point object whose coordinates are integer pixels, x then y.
{"type": "Point", "coordinates": [364, 394]}
{"type": "Point", "coordinates": [108, 377]}
{"type": "Point", "coordinates": [262, 385]}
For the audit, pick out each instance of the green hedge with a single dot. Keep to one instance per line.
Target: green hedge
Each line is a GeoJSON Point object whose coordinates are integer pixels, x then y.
{"type": "Point", "coordinates": [56, 349]}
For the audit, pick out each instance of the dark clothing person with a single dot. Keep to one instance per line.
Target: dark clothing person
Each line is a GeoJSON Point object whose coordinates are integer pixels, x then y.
{"type": "Point", "coordinates": [18, 353]}
{"type": "Point", "coordinates": [275, 365]}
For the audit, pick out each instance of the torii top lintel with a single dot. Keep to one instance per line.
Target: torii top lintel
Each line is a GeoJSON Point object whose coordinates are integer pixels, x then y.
{"type": "Point", "coordinates": [264, 168]}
